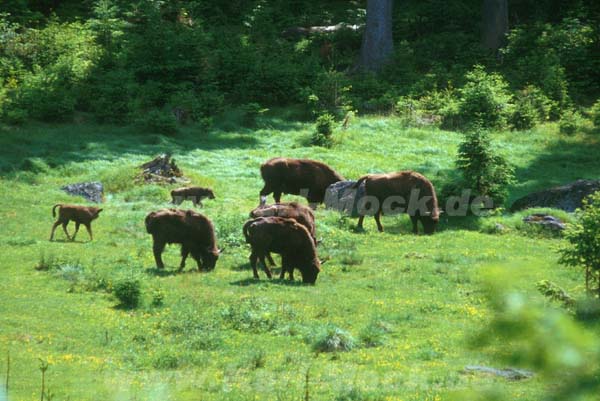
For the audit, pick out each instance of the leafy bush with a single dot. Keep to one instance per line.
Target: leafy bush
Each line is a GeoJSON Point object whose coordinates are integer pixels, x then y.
{"type": "Point", "coordinates": [531, 106]}
{"type": "Point", "coordinates": [484, 99]}
{"type": "Point", "coordinates": [250, 112]}
{"type": "Point", "coordinates": [158, 297]}
{"type": "Point", "coordinates": [329, 94]}
{"type": "Point", "coordinates": [569, 122]}
{"type": "Point", "coordinates": [159, 122]}
{"type": "Point", "coordinates": [595, 114]}
{"type": "Point", "coordinates": [334, 339]}
{"type": "Point", "coordinates": [486, 173]}
{"type": "Point", "coordinates": [584, 239]}
{"type": "Point", "coordinates": [128, 292]}
{"type": "Point", "coordinates": [323, 135]}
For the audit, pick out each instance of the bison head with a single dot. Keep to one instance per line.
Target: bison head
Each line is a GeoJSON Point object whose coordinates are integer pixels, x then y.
{"type": "Point", "coordinates": [309, 274]}
{"type": "Point", "coordinates": [209, 258]}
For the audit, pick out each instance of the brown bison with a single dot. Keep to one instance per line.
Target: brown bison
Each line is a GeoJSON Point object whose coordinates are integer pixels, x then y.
{"type": "Point", "coordinates": [307, 178]}
{"type": "Point", "coordinates": [289, 239]}
{"type": "Point", "coordinates": [291, 210]}
{"type": "Point", "coordinates": [79, 214]}
{"type": "Point", "coordinates": [406, 190]}
{"type": "Point", "coordinates": [195, 194]}
{"type": "Point", "coordinates": [192, 230]}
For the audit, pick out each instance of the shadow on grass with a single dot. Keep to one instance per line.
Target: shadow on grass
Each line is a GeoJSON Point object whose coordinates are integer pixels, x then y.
{"type": "Point", "coordinates": [562, 162]}
{"type": "Point", "coordinates": [263, 280]}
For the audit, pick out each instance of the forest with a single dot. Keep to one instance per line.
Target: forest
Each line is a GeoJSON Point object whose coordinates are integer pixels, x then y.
{"type": "Point", "coordinates": [492, 102]}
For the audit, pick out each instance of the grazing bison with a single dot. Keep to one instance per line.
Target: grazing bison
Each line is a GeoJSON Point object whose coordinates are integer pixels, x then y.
{"type": "Point", "coordinates": [289, 239]}
{"type": "Point", "coordinates": [291, 210]}
{"type": "Point", "coordinates": [408, 190]}
{"type": "Point", "coordinates": [195, 194]}
{"type": "Point", "coordinates": [192, 230]}
{"type": "Point", "coordinates": [308, 178]}
{"type": "Point", "coordinates": [79, 214]}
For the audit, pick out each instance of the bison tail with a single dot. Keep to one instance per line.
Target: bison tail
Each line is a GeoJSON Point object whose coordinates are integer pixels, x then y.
{"type": "Point", "coordinates": [360, 181]}
{"type": "Point", "coordinates": [54, 207]}
{"type": "Point", "coordinates": [245, 230]}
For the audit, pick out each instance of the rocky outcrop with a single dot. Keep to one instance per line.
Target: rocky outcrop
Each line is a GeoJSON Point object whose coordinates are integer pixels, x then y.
{"type": "Point", "coordinates": [545, 220]}
{"type": "Point", "coordinates": [342, 197]}
{"type": "Point", "coordinates": [566, 197]}
{"type": "Point", "coordinates": [92, 191]}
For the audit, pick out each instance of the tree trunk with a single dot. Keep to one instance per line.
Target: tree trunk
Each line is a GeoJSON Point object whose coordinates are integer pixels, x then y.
{"type": "Point", "coordinates": [377, 45]}
{"type": "Point", "coordinates": [494, 23]}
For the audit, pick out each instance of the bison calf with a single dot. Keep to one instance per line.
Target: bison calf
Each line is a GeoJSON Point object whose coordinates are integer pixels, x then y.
{"type": "Point", "coordinates": [289, 239]}
{"type": "Point", "coordinates": [402, 188]}
{"type": "Point", "coordinates": [291, 210]}
{"type": "Point", "coordinates": [308, 178]}
{"type": "Point", "coordinates": [79, 214]}
{"type": "Point", "coordinates": [195, 194]}
{"type": "Point", "coordinates": [192, 230]}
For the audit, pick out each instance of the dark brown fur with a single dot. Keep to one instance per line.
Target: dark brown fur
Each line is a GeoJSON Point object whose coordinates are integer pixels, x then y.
{"type": "Point", "coordinates": [291, 210]}
{"type": "Point", "coordinates": [195, 194]}
{"type": "Point", "coordinates": [383, 186]}
{"type": "Point", "coordinates": [79, 214]}
{"type": "Point", "coordinates": [308, 178]}
{"type": "Point", "coordinates": [289, 239]}
{"type": "Point", "coordinates": [192, 230]}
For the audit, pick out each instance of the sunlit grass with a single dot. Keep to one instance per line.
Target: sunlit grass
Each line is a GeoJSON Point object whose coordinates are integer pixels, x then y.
{"type": "Point", "coordinates": [409, 302]}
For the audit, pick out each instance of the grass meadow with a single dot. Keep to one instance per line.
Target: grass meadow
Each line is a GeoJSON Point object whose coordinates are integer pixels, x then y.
{"type": "Point", "coordinates": [401, 309]}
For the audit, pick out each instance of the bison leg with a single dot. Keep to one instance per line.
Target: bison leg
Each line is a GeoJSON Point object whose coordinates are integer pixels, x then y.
{"type": "Point", "coordinates": [88, 226]}
{"type": "Point", "coordinates": [253, 260]}
{"type": "Point", "coordinates": [378, 221]}
{"type": "Point", "coordinates": [266, 267]}
{"type": "Point", "coordinates": [277, 196]}
{"type": "Point", "coordinates": [286, 266]}
{"type": "Point", "coordinates": [64, 226]}
{"type": "Point", "coordinates": [359, 226]}
{"type": "Point", "coordinates": [77, 224]}
{"type": "Point", "coordinates": [53, 229]}
{"type": "Point", "coordinates": [270, 258]}
{"type": "Point", "coordinates": [415, 220]}
{"type": "Point", "coordinates": [185, 251]}
{"type": "Point", "coordinates": [158, 247]}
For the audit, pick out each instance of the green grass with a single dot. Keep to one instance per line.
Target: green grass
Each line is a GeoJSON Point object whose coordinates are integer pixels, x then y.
{"type": "Point", "coordinates": [409, 304]}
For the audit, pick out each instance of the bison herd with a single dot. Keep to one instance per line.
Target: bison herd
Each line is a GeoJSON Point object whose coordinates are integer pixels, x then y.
{"type": "Point", "coordinates": [287, 229]}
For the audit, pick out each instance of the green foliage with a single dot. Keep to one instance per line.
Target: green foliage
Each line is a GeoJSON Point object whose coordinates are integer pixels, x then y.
{"type": "Point", "coordinates": [323, 134]}
{"type": "Point", "coordinates": [158, 297]}
{"type": "Point", "coordinates": [531, 107]}
{"type": "Point", "coordinates": [250, 112]}
{"type": "Point", "coordinates": [595, 114]}
{"type": "Point", "coordinates": [554, 293]}
{"type": "Point", "coordinates": [158, 122]}
{"type": "Point", "coordinates": [329, 94]}
{"type": "Point", "coordinates": [569, 123]}
{"type": "Point", "coordinates": [333, 339]}
{"type": "Point", "coordinates": [484, 99]}
{"type": "Point", "coordinates": [584, 239]}
{"type": "Point", "coordinates": [485, 172]}
{"type": "Point", "coordinates": [128, 292]}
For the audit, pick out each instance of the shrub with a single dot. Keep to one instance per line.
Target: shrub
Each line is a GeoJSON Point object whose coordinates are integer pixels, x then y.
{"type": "Point", "coordinates": [569, 122]}
{"type": "Point", "coordinates": [595, 114]}
{"type": "Point", "coordinates": [485, 172]}
{"type": "Point", "coordinates": [584, 242]}
{"type": "Point", "coordinates": [250, 112]}
{"type": "Point", "coordinates": [159, 122]}
{"type": "Point", "coordinates": [158, 297]}
{"type": "Point", "coordinates": [128, 292]}
{"type": "Point", "coordinates": [484, 99]}
{"type": "Point", "coordinates": [334, 339]}
{"type": "Point", "coordinates": [323, 135]}
{"type": "Point", "coordinates": [329, 94]}
{"type": "Point", "coordinates": [373, 335]}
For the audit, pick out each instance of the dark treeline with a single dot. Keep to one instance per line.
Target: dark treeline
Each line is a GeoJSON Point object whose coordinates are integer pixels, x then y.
{"type": "Point", "coordinates": [173, 62]}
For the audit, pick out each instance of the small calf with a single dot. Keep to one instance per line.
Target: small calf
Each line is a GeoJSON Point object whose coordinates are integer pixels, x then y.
{"type": "Point", "coordinates": [79, 214]}
{"type": "Point", "coordinates": [195, 194]}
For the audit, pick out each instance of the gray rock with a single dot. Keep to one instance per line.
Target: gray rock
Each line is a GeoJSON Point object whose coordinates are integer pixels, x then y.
{"type": "Point", "coordinates": [508, 373]}
{"type": "Point", "coordinates": [546, 221]}
{"type": "Point", "coordinates": [566, 197]}
{"type": "Point", "coordinates": [92, 191]}
{"type": "Point", "coordinates": [342, 197]}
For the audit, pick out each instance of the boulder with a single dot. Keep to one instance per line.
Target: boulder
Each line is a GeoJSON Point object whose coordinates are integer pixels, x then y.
{"type": "Point", "coordinates": [342, 197]}
{"type": "Point", "coordinates": [545, 220]}
{"type": "Point", "coordinates": [162, 169]}
{"type": "Point", "coordinates": [508, 373]}
{"type": "Point", "coordinates": [92, 191]}
{"type": "Point", "coordinates": [566, 197]}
